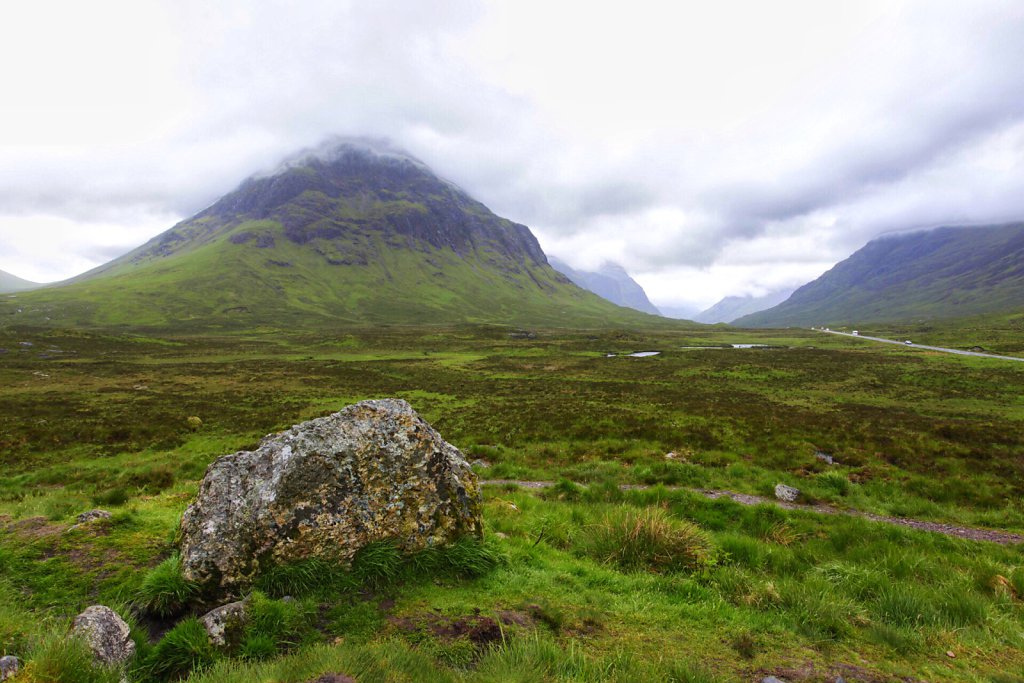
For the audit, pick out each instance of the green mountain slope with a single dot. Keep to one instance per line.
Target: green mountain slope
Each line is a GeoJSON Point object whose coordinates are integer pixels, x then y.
{"type": "Point", "coordinates": [353, 233]}
{"type": "Point", "coordinates": [13, 283]}
{"type": "Point", "coordinates": [941, 273]}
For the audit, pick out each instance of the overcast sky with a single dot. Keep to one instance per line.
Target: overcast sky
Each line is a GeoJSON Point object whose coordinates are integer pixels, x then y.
{"type": "Point", "coordinates": [711, 148]}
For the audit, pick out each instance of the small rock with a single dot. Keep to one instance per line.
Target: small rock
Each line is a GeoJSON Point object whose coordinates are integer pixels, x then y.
{"type": "Point", "coordinates": [108, 636]}
{"type": "Point", "coordinates": [224, 624]}
{"type": "Point", "coordinates": [672, 455]}
{"type": "Point", "coordinates": [26, 344]}
{"type": "Point", "coordinates": [92, 516]}
{"type": "Point", "coordinates": [772, 679]}
{"type": "Point", "coordinates": [8, 667]}
{"type": "Point", "coordinates": [840, 679]}
{"type": "Point", "coordinates": [499, 534]}
{"type": "Point", "coordinates": [824, 457]}
{"type": "Point", "coordinates": [950, 654]}
{"type": "Point", "coordinates": [479, 463]}
{"type": "Point", "coordinates": [786, 494]}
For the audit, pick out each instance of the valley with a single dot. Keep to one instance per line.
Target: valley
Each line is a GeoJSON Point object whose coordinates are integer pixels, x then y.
{"type": "Point", "coordinates": [102, 419]}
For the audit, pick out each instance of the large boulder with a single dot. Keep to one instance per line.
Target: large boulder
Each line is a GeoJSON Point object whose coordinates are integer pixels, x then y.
{"type": "Point", "coordinates": [324, 489]}
{"type": "Point", "coordinates": [107, 634]}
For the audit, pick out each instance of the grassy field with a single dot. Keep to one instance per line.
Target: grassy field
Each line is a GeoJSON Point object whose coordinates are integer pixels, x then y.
{"type": "Point", "coordinates": [572, 583]}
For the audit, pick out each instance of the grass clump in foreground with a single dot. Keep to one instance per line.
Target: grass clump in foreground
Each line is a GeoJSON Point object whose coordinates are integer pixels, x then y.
{"type": "Point", "coordinates": [649, 539]}
{"type": "Point", "coordinates": [59, 658]}
{"type": "Point", "coordinates": [380, 566]}
{"type": "Point", "coordinates": [182, 650]}
{"type": "Point", "coordinates": [164, 591]}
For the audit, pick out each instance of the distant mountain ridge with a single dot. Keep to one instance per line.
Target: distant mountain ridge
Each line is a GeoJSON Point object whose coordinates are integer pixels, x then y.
{"type": "Point", "coordinates": [942, 273]}
{"type": "Point", "coordinates": [611, 282]}
{"type": "Point", "coordinates": [10, 283]}
{"type": "Point", "coordinates": [730, 308]}
{"type": "Point", "coordinates": [679, 312]}
{"type": "Point", "coordinates": [352, 232]}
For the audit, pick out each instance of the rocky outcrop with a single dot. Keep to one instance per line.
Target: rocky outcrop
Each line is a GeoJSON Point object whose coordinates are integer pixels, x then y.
{"type": "Point", "coordinates": [107, 635]}
{"type": "Point", "coordinates": [324, 489]}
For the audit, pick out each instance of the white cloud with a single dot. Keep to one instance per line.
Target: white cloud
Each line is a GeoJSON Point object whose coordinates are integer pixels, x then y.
{"type": "Point", "coordinates": [712, 148]}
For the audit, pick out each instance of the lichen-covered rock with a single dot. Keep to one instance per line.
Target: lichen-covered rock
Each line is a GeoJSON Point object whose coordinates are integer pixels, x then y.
{"type": "Point", "coordinates": [787, 494]}
{"type": "Point", "coordinates": [8, 667]}
{"type": "Point", "coordinates": [324, 489]}
{"type": "Point", "coordinates": [92, 516]}
{"type": "Point", "coordinates": [225, 623]}
{"type": "Point", "coordinates": [107, 634]}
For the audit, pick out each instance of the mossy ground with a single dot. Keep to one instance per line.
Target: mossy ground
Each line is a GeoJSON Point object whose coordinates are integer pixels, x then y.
{"type": "Point", "coordinates": [94, 420]}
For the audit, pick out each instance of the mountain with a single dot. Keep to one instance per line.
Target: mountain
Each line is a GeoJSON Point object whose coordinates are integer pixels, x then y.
{"type": "Point", "coordinates": [352, 232]}
{"type": "Point", "coordinates": [12, 283]}
{"type": "Point", "coordinates": [732, 307]}
{"type": "Point", "coordinates": [611, 282]}
{"type": "Point", "coordinates": [942, 273]}
{"type": "Point", "coordinates": [679, 312]}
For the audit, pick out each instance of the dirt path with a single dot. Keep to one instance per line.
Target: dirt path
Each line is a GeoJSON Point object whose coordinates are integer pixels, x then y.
{"type": "Point", "coordinates": [971, 533]}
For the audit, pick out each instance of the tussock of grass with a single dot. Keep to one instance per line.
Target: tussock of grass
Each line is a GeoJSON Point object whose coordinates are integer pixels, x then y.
{"type": "Point", "coordinates": [164, 591]}
{"type": "Point", "coordinates": [274, 626]}
{"type": "Point", "coordinates": [299, 578]}
{"type": "Point", "coordinates": [182, 650]}
{"type": "Point", "coordinates": [649, 539]}
{"type": "Point", "coordinates": [59, 658]}
{"type": "Point", "coordinates": [379, 565]}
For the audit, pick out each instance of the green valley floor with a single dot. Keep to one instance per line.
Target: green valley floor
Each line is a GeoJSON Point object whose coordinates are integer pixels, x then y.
{"type": "Point", "coordinates": [619, 570]}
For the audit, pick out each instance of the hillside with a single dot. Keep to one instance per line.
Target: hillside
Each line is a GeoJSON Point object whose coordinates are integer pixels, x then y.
{"type": "Point", "coordinates": [354, 232]}
{"type": "Point", "coordinates": [732, 307]}
{"type": "Point", "coordinates": [611, 282]}
{"type": "Point", "coordinates": [12, 283]}
{"type": "Point", "coordinates": [942, 273]}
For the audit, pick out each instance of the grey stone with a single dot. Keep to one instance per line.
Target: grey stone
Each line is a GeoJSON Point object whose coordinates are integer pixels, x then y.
{"type": "Point", "coordinates": [787, 494]}
{"type": "Point", "coordinates": [91, 516]}
{"type": "Point", "coordinates": [480, 463]}
{"type": "Point", "coordinates": [324, 489]}
{"type": "Point", "coordinates": [824, 457]}
{"type": "Point", "coordinates": [8, 667]}
{"type": "Point", "coordinates": [772, 679]}
{"type": "Point", "coordinates": [225, 623]}
{"type": "Point", "coordinates": [107, 634]}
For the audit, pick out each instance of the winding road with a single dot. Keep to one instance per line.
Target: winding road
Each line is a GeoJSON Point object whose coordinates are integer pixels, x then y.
{"type": "Point", "coordinates": [958, 352]}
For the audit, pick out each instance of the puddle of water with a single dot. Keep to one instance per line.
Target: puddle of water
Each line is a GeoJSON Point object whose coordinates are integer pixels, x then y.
{"type": "Point", "coordinates": [638, 354]}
